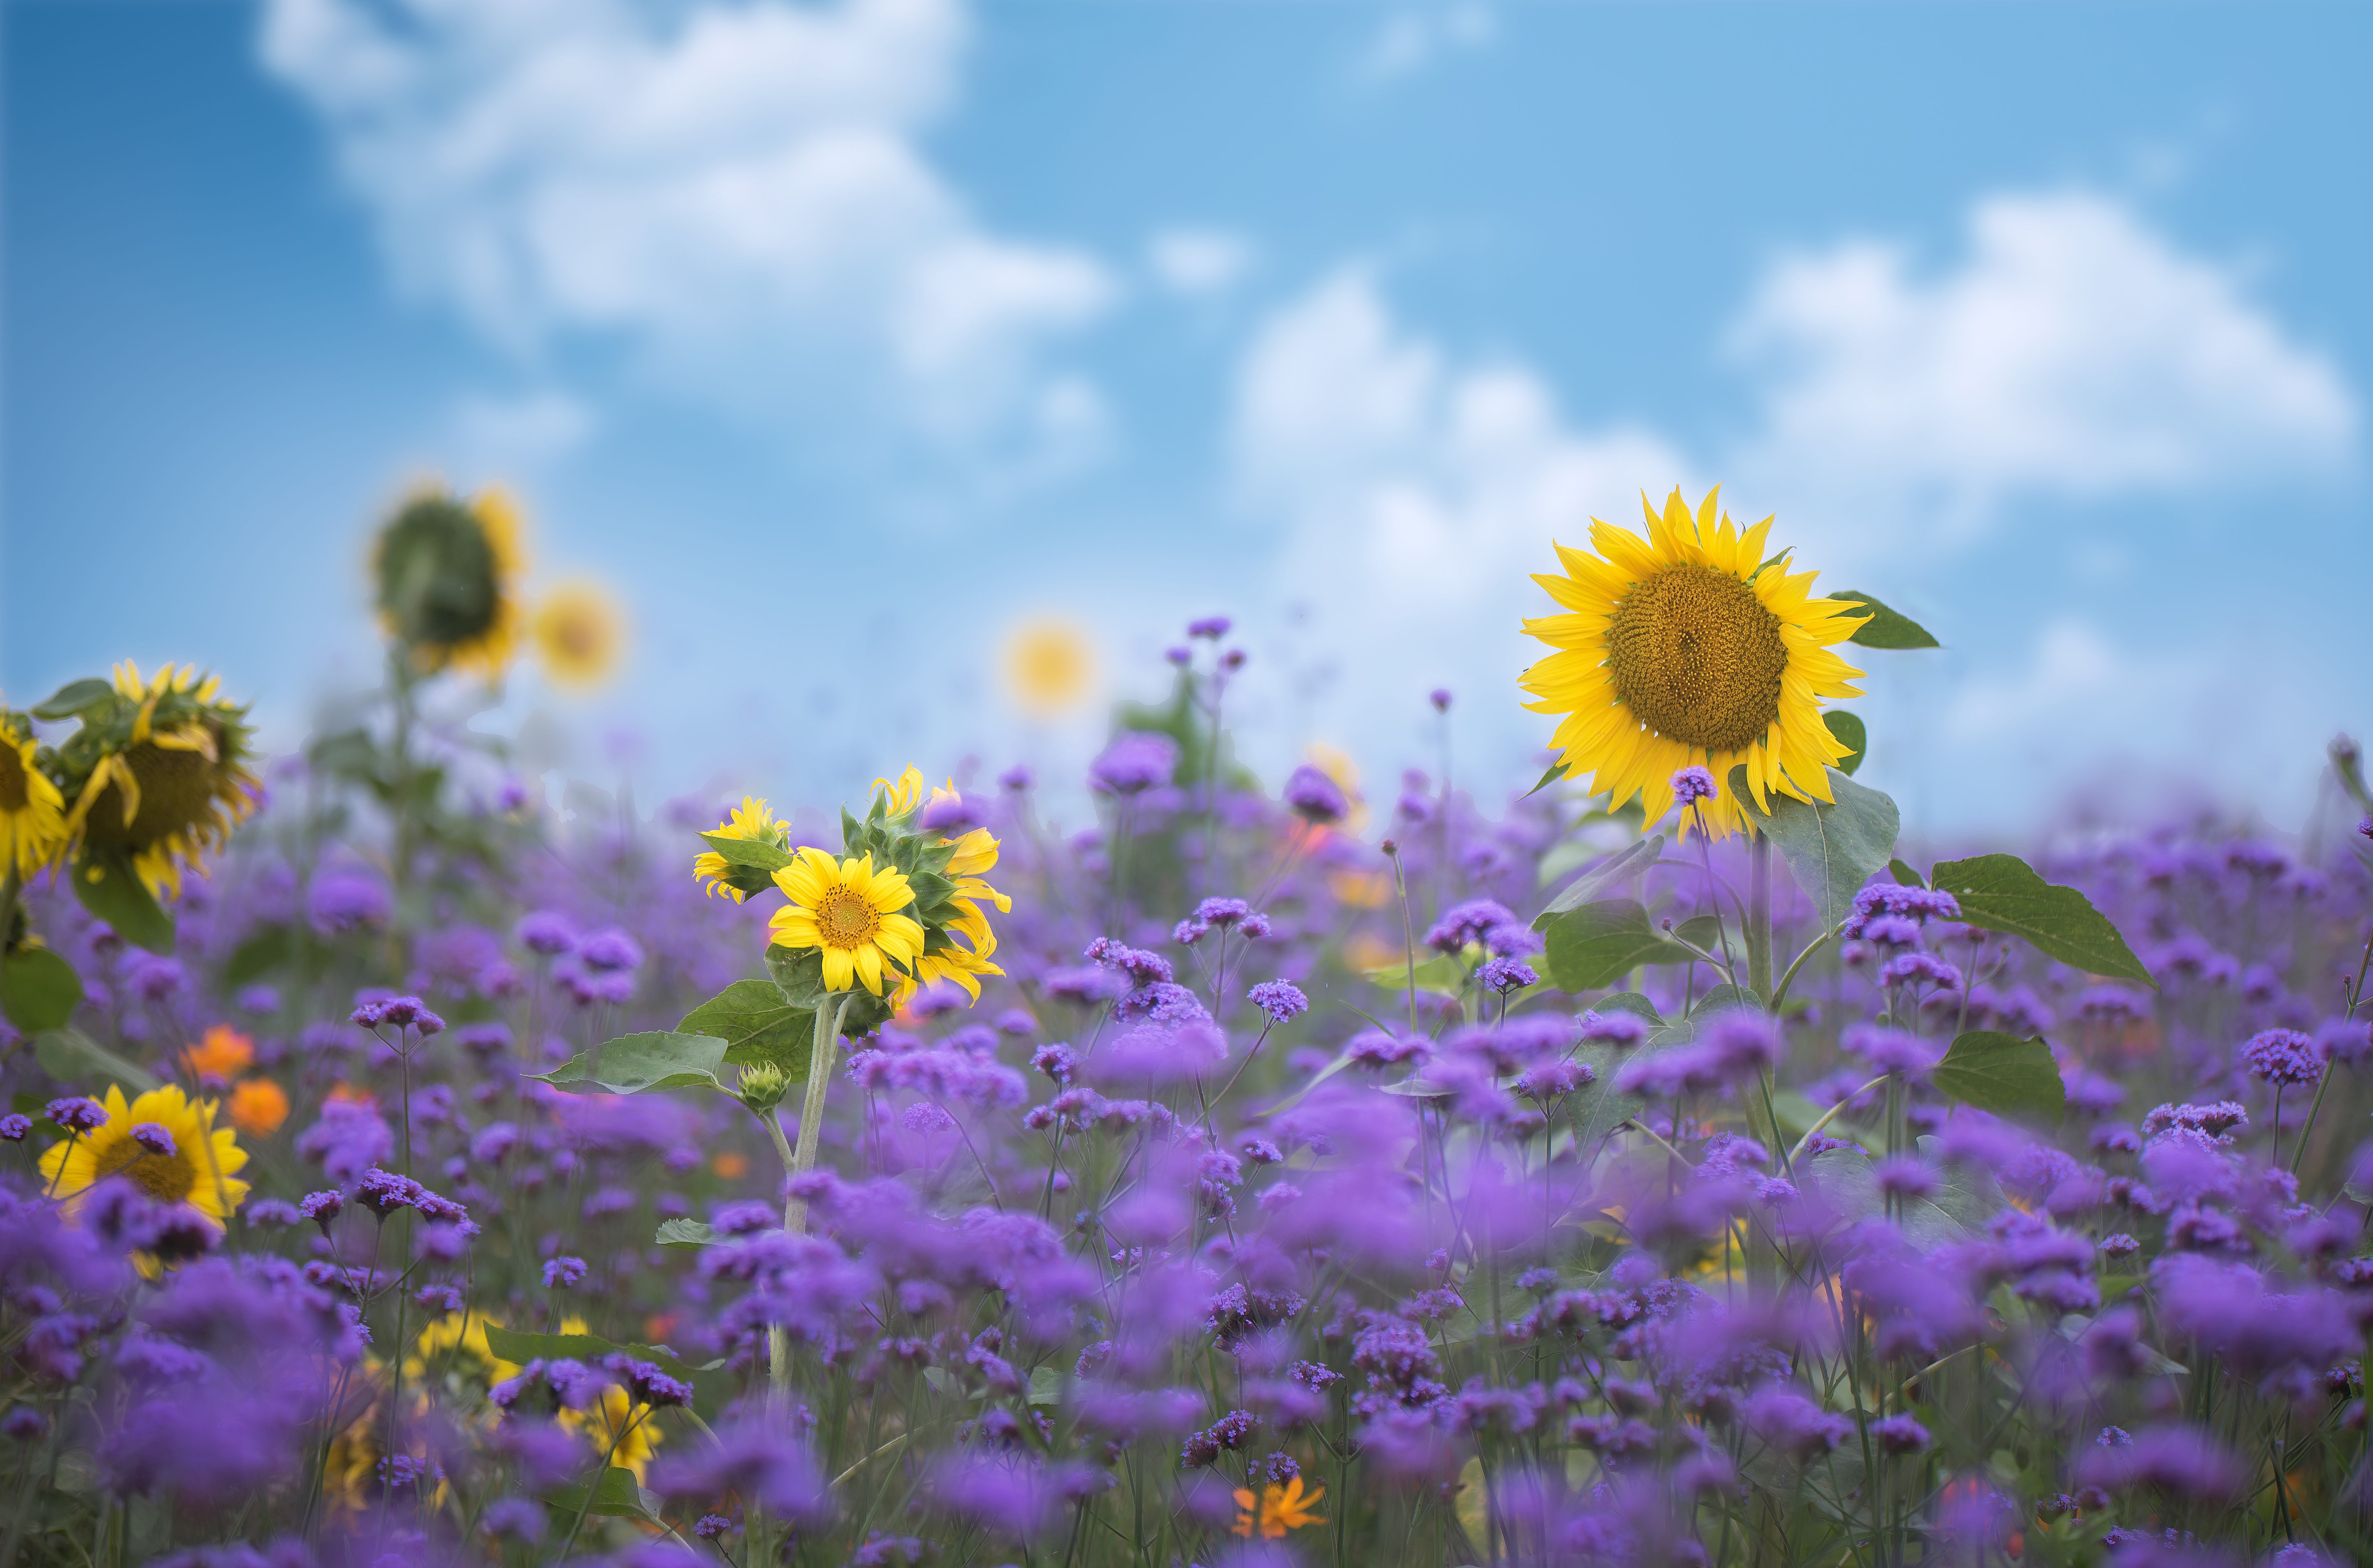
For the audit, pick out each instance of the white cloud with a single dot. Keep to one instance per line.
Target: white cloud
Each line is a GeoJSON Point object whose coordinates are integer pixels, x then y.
{"type": "Point", "coordinates": [1413, 37]}
{"type": "Point", "coordinates": [2072, 352]}
{"type": "Point", "coordinates": [530, 429]}
{"type": "Point", "coordinates": [732, 190]}
{"type": "Point", "coordinates": [1199, 261]}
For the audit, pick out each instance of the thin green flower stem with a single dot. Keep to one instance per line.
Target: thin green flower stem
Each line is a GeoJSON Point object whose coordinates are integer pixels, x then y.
{"type": "Point", "coordinates": [2299, 1153]}
{"type": "Point", "coordinates": [1408, 932]}
{"type": "Point", "coordinates": [887, 1448]}
{"type": "Point", "coordinates": [1642, 1127]}
{"type": "Point", "coordinates": [1758, 914]}
{"type": "Point", "coordinates": [1706, 855]}
{"type": "Point", "coordinates": [1833, 1111]}
{"type": "Point", "coordinates": [1780, 995]}
{"type": "Point", "coordinates": [591, 1486]}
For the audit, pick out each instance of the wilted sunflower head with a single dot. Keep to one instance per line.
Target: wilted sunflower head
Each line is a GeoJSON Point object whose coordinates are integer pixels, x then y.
{"type": "Point", "coordinates": [158, 774]}
{"type": "Point", "coordinates": [447, 572]}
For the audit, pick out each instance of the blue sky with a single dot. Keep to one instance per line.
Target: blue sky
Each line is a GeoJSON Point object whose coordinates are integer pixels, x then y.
{"type": "Point", "coordinates": [841, 339]}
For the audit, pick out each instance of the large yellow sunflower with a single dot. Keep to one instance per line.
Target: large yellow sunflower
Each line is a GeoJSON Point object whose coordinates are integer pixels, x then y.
{"type": "Point", "coordinates": [169, 785]}
{"type": "Point", "coordinates": [32, 813]}
{"type": "Point", "coordinates": [750, 819]}
{"type": "Point", "coordinates": [1690, 646]}
{"type": "Point", "coordinates": [849, 910]}
{"type": "Point", "coordinates": [449, 572]}
{"type": "Point", "coordinates": [202, 1170]}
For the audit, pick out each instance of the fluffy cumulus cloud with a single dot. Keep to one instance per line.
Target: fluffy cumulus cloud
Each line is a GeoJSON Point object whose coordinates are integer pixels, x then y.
{"type": "Point", "coordinates": [733, 191]}
{"type": "Point", "coordinates": [2071, 354]}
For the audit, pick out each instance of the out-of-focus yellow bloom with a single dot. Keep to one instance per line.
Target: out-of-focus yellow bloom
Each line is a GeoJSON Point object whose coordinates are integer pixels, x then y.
{"type": "Point", "coordinates": [169, 785]}
{"type": "Point", "coordinates": [1689, 646]}
{"type": "Point", "coordinates": [1049, 667]}
{"type": "Point", "coordinates": [904, 793]}
{"type": "Point", "coordinates": [449, 572]}
{"type": "Point", "coordinates": [614, 1426]}
{"type": "Point", "coordinates": [750, 820]}
{"type": "Point", "coordinates": [32, 813]}
{"type": "Point", "coordinates": [849, 910]}
{"type": "Point", "coordinates": [1277, 1510]}
{"type": "Point", "coordinates": [579, 633]}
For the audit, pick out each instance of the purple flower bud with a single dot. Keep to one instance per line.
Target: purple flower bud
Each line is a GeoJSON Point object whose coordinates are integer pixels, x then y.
{"type": "Point", "coordinates": [564, 1272]}
{"type": "Point", "coordinates": [1280, 999]}
{"type": "Point", "coordinates": [1691, 785]}
{"type": "Point", "coordinates": [1314, 797]}
{"type": "Point", "coordinates": [77, 1114]}
{"type": "Point", "coordinates": [1212, 626]}
{"type": "Point", "coordinates": [153, 1137]}
{"type": "Point", "coordinates": [15, 1126]}
{"type": "Point", "coordinates": [547, 932]}
{"type": "Point", "coordinates": [1440, 697]}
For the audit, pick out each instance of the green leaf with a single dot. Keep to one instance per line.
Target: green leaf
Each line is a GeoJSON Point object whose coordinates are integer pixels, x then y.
{"type": "Point", "coordinates": [749, 852]}
{"type": "Point", "coordinates": [1794, 1112]}
{"type": "Point", "coordinates": [1628, 861]}
{"type": "Point", "coordinates": [1851, 733]}
{"type": "Point", "coordinates": [1702, 932]}
{"type": "Point", "coordinates": [2003, 1074]}
{"type": "Point", "coordinates": [69, 1056]}
{"type": "Point", "coordinates": [1557, 771]}
{"type": "Point", "coordinates": [110, 889]}
{"type": "Point", "coordinates": [1886, 628]}
{"type": "Point", "coordinates": [686, 1233]}
{"type": "Point", "coordinates": [72, 698]}
{"type": "Point", "coordinates": [1598, 943]}
{"type": "Point", "coordinates": [1046, 1386]}
{"type": "Point", "coordinates": [259, 956]}
{"type": "Point", "coordinates": [1904, 876]}
{"type": "Point", "coordinates": [521, 1346]}
{"type": "Point", "coordinates": [1440, 974]}
{"type": "Point", "coordinates": [798, 973]}
{"type": "Point", "coordinates": [2003, 892]}
{"type": "Point", "coordinates": [1830, 850]}
{"type": "Point", "coordinates": [1629, 1001]}
{"type": "Point", "coordinates": [1726, 997]}
{"type": "Point", "coordinates": [615, 1496]}
{"type": "Point", "coordinates": [757, 1024]}
{"type": "Point", "coordinates": [39, 989]}
{"type": "Point", "coordinates": [636, 1064]}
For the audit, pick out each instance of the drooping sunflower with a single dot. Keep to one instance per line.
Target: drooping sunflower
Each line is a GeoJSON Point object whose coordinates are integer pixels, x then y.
{"type": "Point", "coordinates": [32, 813]}
{"type": "Point", "coordinates": [449, 572]}
{"type": "Point", "coordinates": [849, 911]}
{"type": "Point", "coordinates": [202, 1170]}
{"type": "Point", "coordinates": [158, 774]}
{"type": "Point", "coordinates": [579, 634]}
{"type": "Point", "coordinates": [750, 820]}
{"type": "Point", "coordinates": [1690, 647]}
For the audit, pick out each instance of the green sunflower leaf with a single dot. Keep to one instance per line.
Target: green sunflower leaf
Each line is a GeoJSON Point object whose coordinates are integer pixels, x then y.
{"type": "Point", "coordinates": [686, 1233]}
{"type": "Point", "coordinates": [1631, 1003]}
{"type": "Point", "coordinates": [259, 956]}
{"type": "Point", "coordinates": [1598, 943]}
{"type": "Point", "coordinates": [39, 989]}
{"type": "Point", "coordinates": [638, 1064]}
{"type": "Point", "coordinates": [757, 1024]}
{"type": "Point", "coordinates": [521, 1346]}
{"type": "Point", "coordinates": [1904, 876]}
{"type": "Point", "coordinates": [2003, 892]}
{"type": "Point", "coordinates": [72, 698]}
{"type": "Point", "coordinates": [614, 1496]}
{"type": "Point", "coordinates": [1886, 628]}
{"type": "Point", "coordinates": [1851, 734]}
{"type": "Point", "coordinates": [1441, 973]}
{"type": "Point", "coordinates": [1831, 850]}
{"type": "Point", "coordinates": [103, 879]}
{"type": "Point", "coordinates": [69, 1056]}
{"type": "Point", "coordinates": [1557, 771]}
{"type": "Point", "coordinates": [1726, 997]}
{"type": "Point", "coordinates": [2004, 1075]}
{"type": "Point", "coordinates": [752, 852]}
{"type": "Point", "coordinates": [1629, 861]}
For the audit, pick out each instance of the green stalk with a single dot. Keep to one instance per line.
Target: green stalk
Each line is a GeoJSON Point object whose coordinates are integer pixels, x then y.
{"type": "Point", "coordinates": [1759, 915]}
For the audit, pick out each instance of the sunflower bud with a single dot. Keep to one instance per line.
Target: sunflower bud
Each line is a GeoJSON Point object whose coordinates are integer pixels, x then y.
{"type": "Point", "coordinates": [763, 1086]}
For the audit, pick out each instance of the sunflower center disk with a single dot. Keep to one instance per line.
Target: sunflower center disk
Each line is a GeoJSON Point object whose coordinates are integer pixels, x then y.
{"type": "Point", "coordinates": [16, 793]}
{"type": "Point", "coordinates": [176, 788]}
{"type": "Point", "coordinates": [846, 920]}
{"type": "Point", "coordinates": [1696, 656]}
{"type": "Point", "coordinates": [169, 1179]}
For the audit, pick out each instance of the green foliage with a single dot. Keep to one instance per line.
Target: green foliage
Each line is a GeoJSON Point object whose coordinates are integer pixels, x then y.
{"type": "Point", "coordinates": [692, 1233]}
{"type": "Point", "coordinates": [1629, 861]}
{"type": "Point", "coordinates": [757, 1025]}
{"type": "Point", "coordinates": [72, 700]}
{"type": "Point", "coordinates": [1557, 770]}
{"type": "Point", "coordinates": [103, 879]}
{"type": "Point", "coordinates": [2003, 1074]}
{"type": "Point", "coordinates": [2003, 892]}
{"type": "Point", "coordinates": [1629, 1001]}
{"type": "Point", "coordinates": [1831, 850]}
{"type": "Point", "coordinates": [38, 990]}
{"type": "Point", "coordinates": [1851, 733]}
{"type": "Point", "coordinates": [72, 1057]}
{"type": "Point", "coordinates": [638, 1064]}
{"type": "Point", "coordinates": [1599, 944]}
{"type": "Point", "coordinates": [1441, 974]}
{"type": "Point", "coordinates": [260, 955]}
{"type": "Point", "coordinates": [615, 1496]}
{"type": "Point", "coordinates": [1886, 628]}
{"type": "Point", "coordinates": [1904, 876]}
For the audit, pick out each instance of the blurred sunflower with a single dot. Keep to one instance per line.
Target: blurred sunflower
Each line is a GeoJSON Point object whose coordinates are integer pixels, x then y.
{"type": "Point", "coordinates": [456, 1345]}
{"type": "Point", "coordinates": [579, 633]}
{"type": "Point", "coordinates": [750, 820]}
{"type": "Point", "coordinates": [32, 813]}
{"type": "Point", "coordinates": [1049, 666]}
{"type": "Point", "coordinates": [1690, 647]}
{"type": "Point", "coordinates": [158, 774]}
{"type": "Point", "coordinates": [200, 1168]}
{"type": "Point", "coordinates": [849, 911]}
{"type": "Point", "coordinates": [448, 573]}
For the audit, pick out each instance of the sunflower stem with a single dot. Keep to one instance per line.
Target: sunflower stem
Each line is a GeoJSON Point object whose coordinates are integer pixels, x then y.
{"type": "Point", "coordinates": [1759, 915]}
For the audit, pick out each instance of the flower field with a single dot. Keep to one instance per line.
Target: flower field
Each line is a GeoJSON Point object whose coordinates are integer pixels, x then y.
{"type": "Point", "coordinates": [1674, 1164]}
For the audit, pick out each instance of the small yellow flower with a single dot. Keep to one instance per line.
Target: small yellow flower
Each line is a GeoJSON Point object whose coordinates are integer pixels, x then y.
{"type": "Point", "coordinates": [201, 1171]}
{"type": "Point", "coordinates": [32, 813]}
{"type": "Point", "coordinates": [579, 634]}
{"type": "Point", "coordinates": [1050, 668]}
{"type": "Point", "coordinates": [750, 819]}
{"type": "Point", "coordinates": [849, 910]}
{"type": "Point", "coordinates": [1277, 1510]}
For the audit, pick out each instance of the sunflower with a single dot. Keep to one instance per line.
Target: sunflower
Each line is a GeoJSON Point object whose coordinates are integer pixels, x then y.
{"type": "Point", "coordinates": [1690, 646]}
{"type": "Point", "coordinates": [974, 853]}
{"type": "Point", "coordinates": [158, 773]}
{"type": "Point", "coordinates": [32, 813]}
{"type": "Point", "coordinates": [579, 633]}
{"type": "Point", "coordinates": [750, 820]}
{"type": "Point", "coordinates": [1048, 667]}
{"type": "Point", "coordinates": [202, 1170]}
{"type": "Point", "coordinates": [448, 574]}
{"type": "Point", "coordinates": [1277, 1510]}
{"type": "Point", "coordinates": [615, 1427]}
{"type": "Point", "coordinates": [849, 910]}
{"type": "Point", "coordinates": [456, 1345]}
